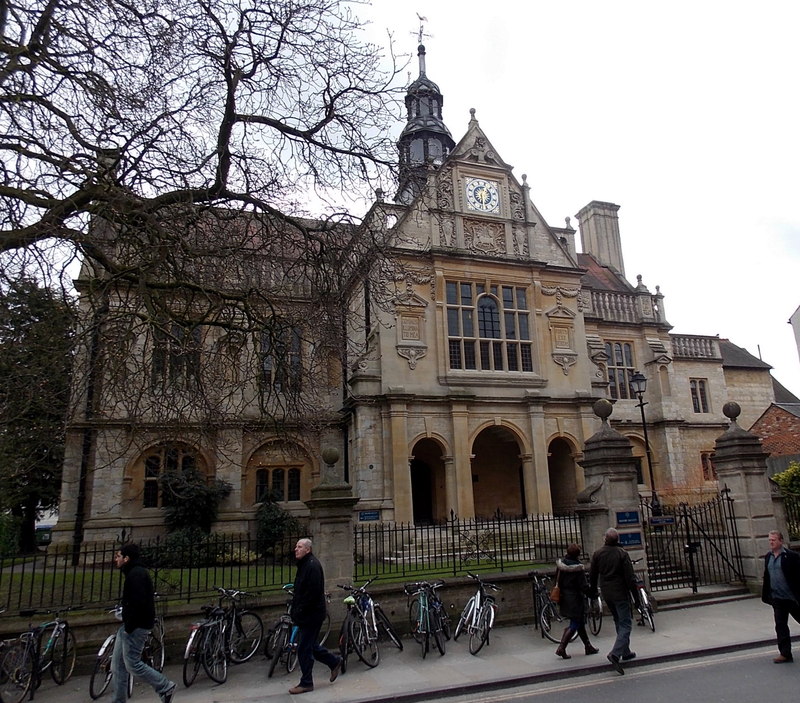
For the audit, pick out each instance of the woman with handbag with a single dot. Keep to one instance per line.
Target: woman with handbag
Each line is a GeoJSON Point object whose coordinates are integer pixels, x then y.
{"type": "Point", "coordinates": [572, 587]}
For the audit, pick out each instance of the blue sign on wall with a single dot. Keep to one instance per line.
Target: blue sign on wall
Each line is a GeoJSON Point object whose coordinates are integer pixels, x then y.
{"type": "Point", "coordinates": [628, 517]}
{"type": "Point", "coordinates": [368, 515]}
{"type": "Point", "coordinates": [662, 520]}
{"type": "Point", "coordinates": [630, 539]}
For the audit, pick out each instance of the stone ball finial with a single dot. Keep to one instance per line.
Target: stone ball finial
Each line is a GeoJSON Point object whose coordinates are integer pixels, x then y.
{"type": "Point", "coordinates": [330, 456]}
{"type": "Point", "coordinates": [731, 411]}
{"type": "Point", "coordinates": [603, 409]}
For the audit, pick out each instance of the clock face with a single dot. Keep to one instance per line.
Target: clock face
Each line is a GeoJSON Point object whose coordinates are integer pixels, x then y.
{"type": "Point", "coordinates": [482, 195]}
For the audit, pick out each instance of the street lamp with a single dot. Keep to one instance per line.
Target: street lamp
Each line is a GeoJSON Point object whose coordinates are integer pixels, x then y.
{"type": "Point", "coordinates": [638, 385]}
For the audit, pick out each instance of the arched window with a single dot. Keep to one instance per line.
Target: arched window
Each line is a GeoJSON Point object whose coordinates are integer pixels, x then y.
{"type": "Point", "coordinates": [165, 458]}
{"type": "Point", "coordinates": [279, 482]}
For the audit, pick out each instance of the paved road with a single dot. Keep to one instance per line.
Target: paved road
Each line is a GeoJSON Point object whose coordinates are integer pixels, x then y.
{"type": "Point", "coordinates": [739, 677]}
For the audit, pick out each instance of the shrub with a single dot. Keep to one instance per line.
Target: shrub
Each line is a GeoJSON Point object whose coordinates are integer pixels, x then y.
{"type": "Point", "coordinates": [191, 501]}
{"type": "Point", "coordinates": [789, 480]}
{"type": "Point", "coordinates": [9, 535]}
{"type": "Point", "coordinates": [273, 526]}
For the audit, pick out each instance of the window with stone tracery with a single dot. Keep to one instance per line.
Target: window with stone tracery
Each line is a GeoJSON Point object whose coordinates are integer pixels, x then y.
{"type": "Point", "coordinates": [488, 328]}
{"type": "Point", "coordinates": [620, 370]}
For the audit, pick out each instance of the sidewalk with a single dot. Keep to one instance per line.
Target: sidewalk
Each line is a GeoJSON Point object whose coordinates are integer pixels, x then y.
{"type": "Point", "coordinates": [515, 656]}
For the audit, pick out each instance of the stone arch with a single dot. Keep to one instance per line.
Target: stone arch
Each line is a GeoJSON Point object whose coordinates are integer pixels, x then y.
{"type": "Point", "coordinates": [497, 477]}
{"type": "Point", "coordinates": [562, 474]}
{"type": "Point", "coordinates": [428, 481]}
{"type": "Point", "coordinates": [281, 467]}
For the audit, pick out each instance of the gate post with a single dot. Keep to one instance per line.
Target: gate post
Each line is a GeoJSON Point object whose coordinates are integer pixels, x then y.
{"type": "Point", "coordinates": [611, 496]}
{"type": "Point", "coordinates": [741, 466]}
{"type": "Point", "coordinates": [331, 522]}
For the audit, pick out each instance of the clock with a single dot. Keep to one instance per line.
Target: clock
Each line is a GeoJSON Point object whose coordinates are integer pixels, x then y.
{"type": "Point", "coordinates": [482, 195]}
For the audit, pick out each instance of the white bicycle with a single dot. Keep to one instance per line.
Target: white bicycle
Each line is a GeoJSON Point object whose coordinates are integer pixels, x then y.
{"type": "Point", "coordinates": [477, 617]}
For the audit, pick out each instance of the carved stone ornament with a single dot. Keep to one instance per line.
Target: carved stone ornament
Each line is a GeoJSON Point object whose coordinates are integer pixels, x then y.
{"type": "Point", "coordinates": [479, 151]}
{"type": "Point", "coordinates": [447, 232]}
{"type": "Point", "coordinates": [517, 207]}
{"type": "Point", "coordinates": [413, 277]}
{"type": "Point", "coordinates": [597, 353]}
{"type": "Point", "coordinates": [520, 242]}
{"type": "Point", "coordinates": [412, 354]}
{"type": "Point", "coordinates": [444, 192]}
{"type": "Point", "coordinates": [565, 361]}
{"type": "Point", "coordinates": [485, 237]}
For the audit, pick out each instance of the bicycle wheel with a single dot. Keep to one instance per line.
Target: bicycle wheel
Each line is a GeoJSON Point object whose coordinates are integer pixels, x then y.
{"type": "Point", "coordinates": [192, 656]}
{"type": "Point", "coordinates": [413, 617]}
{"type": "Point", "coordinates": [246, 636]}
{"type": "Point", "coordinates": [344, 642]}
{"type": "Point", "coordinates": [154, 646]}
{"type": "Point", "coordinates": [16, 672]}
{"type": "Point", "coordinates": [480, 633]}
{"type": "Point", "coordinates": [364, 645]}
{"type": "Point", "coordinates": [291, 657]}
{"type": "Point", "coordinates": [386, 627]}
{"type": "Point", "coordinates": [325, 630]}
{"type": "Point", "coordinates": [550, 618]}
{"type": "Point", "coordinates": [444, 619]}
{"type": "Point", "coordinates": [277, 646]}
{"type": "Point", "coordinates": [101, 673]}
{"type": "Point", "coordinates": [63, 655]}
{"type": "Point", "coordinates": [215, 659]}
{"type": "Point", "coordinates": [594, 615]}
{"type": "Point", "coordinates": [465, 618]}
{"type": "Point", "coordinates": [438, 631]}
{"type": "Point", "coordinates": [647, 610]}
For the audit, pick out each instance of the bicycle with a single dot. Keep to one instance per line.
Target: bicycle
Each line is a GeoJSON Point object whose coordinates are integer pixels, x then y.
{"type": "Point", "coordinates": [49, 645]}
{"type": "Point", "coordinates": [643, 602]}
{"type": "Point", "coordinates": [594, 613]}
{"type": "Point", "coordinates": [427, 614]}
{"type": "Point", "coordinates": [152, 655]}
{"type": "Point", "coordinates": [281, 642]}
{"type": "Point", "coordinates": [207, 647]}
{"type": "Point", "coordinates": [478, 615]}
{"type": "Point", "coordinates": [244, 630]}
{"type": "Point", "coordinates": [363, 626]}
{"type": "Point", "coordinates": [545, 611]}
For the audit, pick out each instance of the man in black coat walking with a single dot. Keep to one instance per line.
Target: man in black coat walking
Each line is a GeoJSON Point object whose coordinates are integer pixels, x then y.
{"type": "Point", "coordinates": [308, 613]}
{"type": "Point", "coordinates": [781, 590]}
{"type": "Point", "coordinates": [612, 568]}
{"type": "Point", "coordinates": [138, 617]}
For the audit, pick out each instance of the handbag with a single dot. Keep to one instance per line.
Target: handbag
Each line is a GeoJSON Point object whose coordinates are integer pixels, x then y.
{"type": "Point", "coordinates": [555, 591]}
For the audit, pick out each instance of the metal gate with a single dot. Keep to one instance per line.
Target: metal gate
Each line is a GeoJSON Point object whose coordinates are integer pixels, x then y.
{"type": "Point", "coordinates": [692, 545]}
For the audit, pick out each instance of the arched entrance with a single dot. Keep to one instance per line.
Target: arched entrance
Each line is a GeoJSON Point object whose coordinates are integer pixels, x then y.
{"type": "Point", "coordinates": [497, 482]}
{"type": "Point", "coordinates": [561, 471]}
{"type": "Point", "coordinates": [428, 494]}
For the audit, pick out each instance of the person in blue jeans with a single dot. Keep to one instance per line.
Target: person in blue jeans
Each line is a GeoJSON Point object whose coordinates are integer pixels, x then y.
{"type": "Point", "coordinates": [138, 618]}
{"type": "Point", "coordinates": [308, 613]}
{"type": "Point", "coordinates": [611, 567]}
{"type": "Point", "coordinates": [781, 590]}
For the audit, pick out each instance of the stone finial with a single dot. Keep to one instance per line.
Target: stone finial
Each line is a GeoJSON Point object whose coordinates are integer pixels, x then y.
{"type": "Point", "coordinates": [472, 115]}
{"type": "Point", "coordinates": [330, 456]}
{"type": "Point", "coordinates": [525, 180]}
{"type": "Point", "coordinates": [731, 410]}
{"type": "Point", "coordinates": [603, 409]}
{"type": "Point", "coordinates": [379, 194]}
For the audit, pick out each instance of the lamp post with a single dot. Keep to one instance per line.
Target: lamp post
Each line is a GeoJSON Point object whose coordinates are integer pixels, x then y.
{"type": "Point", "coordinates": [639, 386]}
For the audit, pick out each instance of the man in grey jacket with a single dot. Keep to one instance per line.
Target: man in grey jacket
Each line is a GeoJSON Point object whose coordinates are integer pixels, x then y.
{"type": "Point", "coordinates": [611, 567]}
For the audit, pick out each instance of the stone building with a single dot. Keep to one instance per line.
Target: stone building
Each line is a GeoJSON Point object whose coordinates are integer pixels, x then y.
{"type": "Point", "coordinates": [471, 389]}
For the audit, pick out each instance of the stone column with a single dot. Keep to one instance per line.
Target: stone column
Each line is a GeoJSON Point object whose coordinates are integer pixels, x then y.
{"type": "Point", "coordinates": [741, 466]}
{"type": "Point", "coordinates": [611, 496]}
{"type": "Point", "coordinates": [331, 522]}
{"type": "Point", "coordinates": [401, 472]}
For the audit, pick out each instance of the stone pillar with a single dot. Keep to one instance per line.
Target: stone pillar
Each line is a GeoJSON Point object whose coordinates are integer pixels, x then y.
{"type": "Point", "coordinates": [331, 522]}
{"type": "Point", "coordinates": [741, 466]}
{"type": "Point", "coordinates": [401, 472]}
{"type": "Point", "coordinates": [611, 495]}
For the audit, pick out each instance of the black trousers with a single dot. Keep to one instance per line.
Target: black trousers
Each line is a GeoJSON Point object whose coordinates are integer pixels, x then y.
{"type": "Point", "coordinates": [782, 609]}
{"type": "Point", "coordinates": [308, 650]}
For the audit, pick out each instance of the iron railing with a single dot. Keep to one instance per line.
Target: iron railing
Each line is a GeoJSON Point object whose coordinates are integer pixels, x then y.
{"type": "Point", "coordinates": [692, 545]}
{"type": "Point", "coordinates": [501, 544]}
{"type": "Point", "coordinates": [184, 572]}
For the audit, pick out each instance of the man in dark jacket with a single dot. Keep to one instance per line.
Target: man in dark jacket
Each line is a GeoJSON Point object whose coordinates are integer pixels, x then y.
{"type": "Point", "coordinates": [781, 590]}
{"type": "Point", "coordinates": [138, 617]}
{"type": "Point", "coordinates": [612, 568]}
{"type": "Point", "coordinates": [308, 613]}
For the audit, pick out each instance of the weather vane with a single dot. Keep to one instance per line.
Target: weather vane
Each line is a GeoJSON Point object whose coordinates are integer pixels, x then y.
{"type": "Point", "coordinates": [421, 32]}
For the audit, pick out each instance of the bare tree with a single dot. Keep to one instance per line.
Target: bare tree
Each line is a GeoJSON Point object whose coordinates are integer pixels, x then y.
{"type": "Point", "coordinates": [177, 148]}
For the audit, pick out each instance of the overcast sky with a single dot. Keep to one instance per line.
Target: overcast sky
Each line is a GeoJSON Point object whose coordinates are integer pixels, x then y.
{"type": "Point", "coordinates": [683, 113]}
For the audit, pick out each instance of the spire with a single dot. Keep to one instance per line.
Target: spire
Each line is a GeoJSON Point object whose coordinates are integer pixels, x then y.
{"type": "Point", "coordinates": [425, 140]}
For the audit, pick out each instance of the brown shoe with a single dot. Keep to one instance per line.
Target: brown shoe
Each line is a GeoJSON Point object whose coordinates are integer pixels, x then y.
{"type": "Point", "coordinates": [301, 689]}
{"type": "Point", "coordinates": [336, 670]}
{"type": "Point", "coordinates": [782, 660]}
